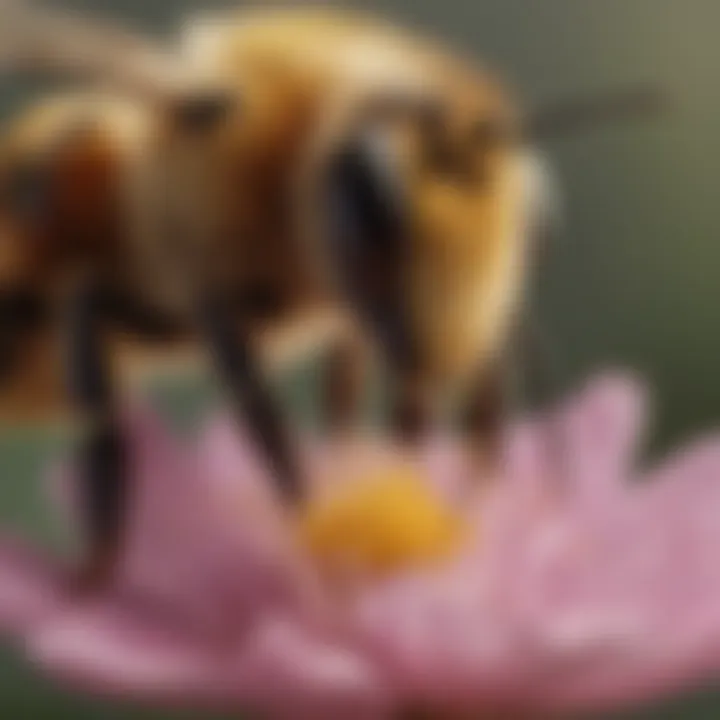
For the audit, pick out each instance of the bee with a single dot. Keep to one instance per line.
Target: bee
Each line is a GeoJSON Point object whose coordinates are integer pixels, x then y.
{"type": "Point", "coordinates": [272, 169]}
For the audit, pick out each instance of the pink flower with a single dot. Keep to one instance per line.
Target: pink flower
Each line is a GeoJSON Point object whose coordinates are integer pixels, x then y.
{"type": "Point", "coordinates": [587, 585]}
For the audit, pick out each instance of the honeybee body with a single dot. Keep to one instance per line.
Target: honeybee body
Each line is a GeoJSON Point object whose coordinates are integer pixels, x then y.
{"type": "Point", "coordinates": [122, 188]}
{"type": "Point", "coordinates": [267, 163]}
{"type": "Point", "coordinates": [303, 79]}
{"type": "Point", "coordinates": [311, 76]}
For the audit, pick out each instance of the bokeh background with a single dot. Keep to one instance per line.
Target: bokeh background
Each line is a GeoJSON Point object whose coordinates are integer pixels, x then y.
{"type": "Point", "coordinates": [632, 282]}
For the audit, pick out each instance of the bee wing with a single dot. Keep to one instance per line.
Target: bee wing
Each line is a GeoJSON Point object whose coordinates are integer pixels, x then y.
{"type": "Point", "coordinates": [540, 361]}
{"type": "Point", "coordinates": [40, 40]}
{"type": "Point", "coordinates": [544, 205]}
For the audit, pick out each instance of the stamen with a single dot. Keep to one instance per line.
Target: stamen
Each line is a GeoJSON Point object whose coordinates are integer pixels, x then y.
{"type": "Point", "coordinates": [391, 521]}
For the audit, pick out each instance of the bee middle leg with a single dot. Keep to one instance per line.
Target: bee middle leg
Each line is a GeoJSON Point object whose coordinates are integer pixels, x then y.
{"type": "Point", "coordinates": [252, 400]}
{"type": "Point", "coordinates": [103, 461]}
{"type": "Point", "coordinates": [344, 373]}
{"type": "Point", "coordinates": [495, 394]}
{"type": "Point", "coordinates": [411, 410]}
{"type": "Point", "coordinates": [485, 417]}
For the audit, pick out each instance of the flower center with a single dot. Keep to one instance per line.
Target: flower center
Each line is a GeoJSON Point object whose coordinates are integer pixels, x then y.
{"type": "Point", "coordinates": [386, 523]}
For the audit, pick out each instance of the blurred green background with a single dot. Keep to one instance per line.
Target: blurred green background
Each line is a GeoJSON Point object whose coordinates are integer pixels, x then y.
{"type": "Point", "coordinates": [631, 283]}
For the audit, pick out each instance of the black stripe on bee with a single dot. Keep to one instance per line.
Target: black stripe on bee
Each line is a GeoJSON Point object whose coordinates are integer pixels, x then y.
{"type": "Point", "coordinates": [203, 111]}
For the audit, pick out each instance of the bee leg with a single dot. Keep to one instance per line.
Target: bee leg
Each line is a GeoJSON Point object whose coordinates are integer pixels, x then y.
{"type": "Point", "coordinates": [343, 380]}
{"type": "Point", "coordinates": [370, 240]}
{"type": "Point", "coordinates": [142, 321]}
{"type": "Point", "coordinates": [104, 480]}
{"type": "Point", "coordinates": [251, 398]}
{"type": "Point", "coordinates": [411, 412]}
{"type": "Point", "coordinates": [485, 418]}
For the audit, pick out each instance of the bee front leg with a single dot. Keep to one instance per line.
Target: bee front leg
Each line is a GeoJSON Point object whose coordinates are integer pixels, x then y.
{"type": "Point", "coordinates": [250, 395]}
{"type": "Point", "coordinates": [344, 375]}
{"type": "Point", "coordinates": [103, 466]}
{"type": "Point", "coordinates": [370, 247]}
{"type": "Point", "coordinates": [485, 418]}
{"type": "Point", "coordinates": [411, 410]}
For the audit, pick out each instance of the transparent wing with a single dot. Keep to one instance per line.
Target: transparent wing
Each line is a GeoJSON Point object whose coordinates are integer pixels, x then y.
{"type": "Point", "coordinates": [37, 39]}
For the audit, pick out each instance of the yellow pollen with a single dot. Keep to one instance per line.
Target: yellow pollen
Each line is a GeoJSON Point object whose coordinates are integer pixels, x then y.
{"type": "Point", "coordinates": [391, 521]}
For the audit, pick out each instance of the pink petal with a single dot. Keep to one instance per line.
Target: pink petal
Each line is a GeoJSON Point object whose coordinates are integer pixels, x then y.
{"type": "Point", "coordinates": [231, 460]}
{"type": "Point", "coordinates": [111, 649]}
{"type": "Point", "coordinates": [114, 649]}
{"type": "Point", "coordinates": [29, 587]}
{"type": "Point", "coordinates": [189, 546]}
{"type": "Point", "coordinates": [650, 674]}
{"type": "Point", "coordinates": [593, 590]}
{"type": "Point", "coordinates": [579, 588]}
{"type": "Point", "coordinates": [449, 470]}
{"type": "Point", "coordinates": [289, 672]}
{"type": "Point", "coordinates": [580, 453]}
{"type": "Point", "coordinates": [600, 431]}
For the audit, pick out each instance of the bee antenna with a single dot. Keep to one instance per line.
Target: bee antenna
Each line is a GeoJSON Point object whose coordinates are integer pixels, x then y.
{"type": "Point", "coordinates": [566, 117]}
